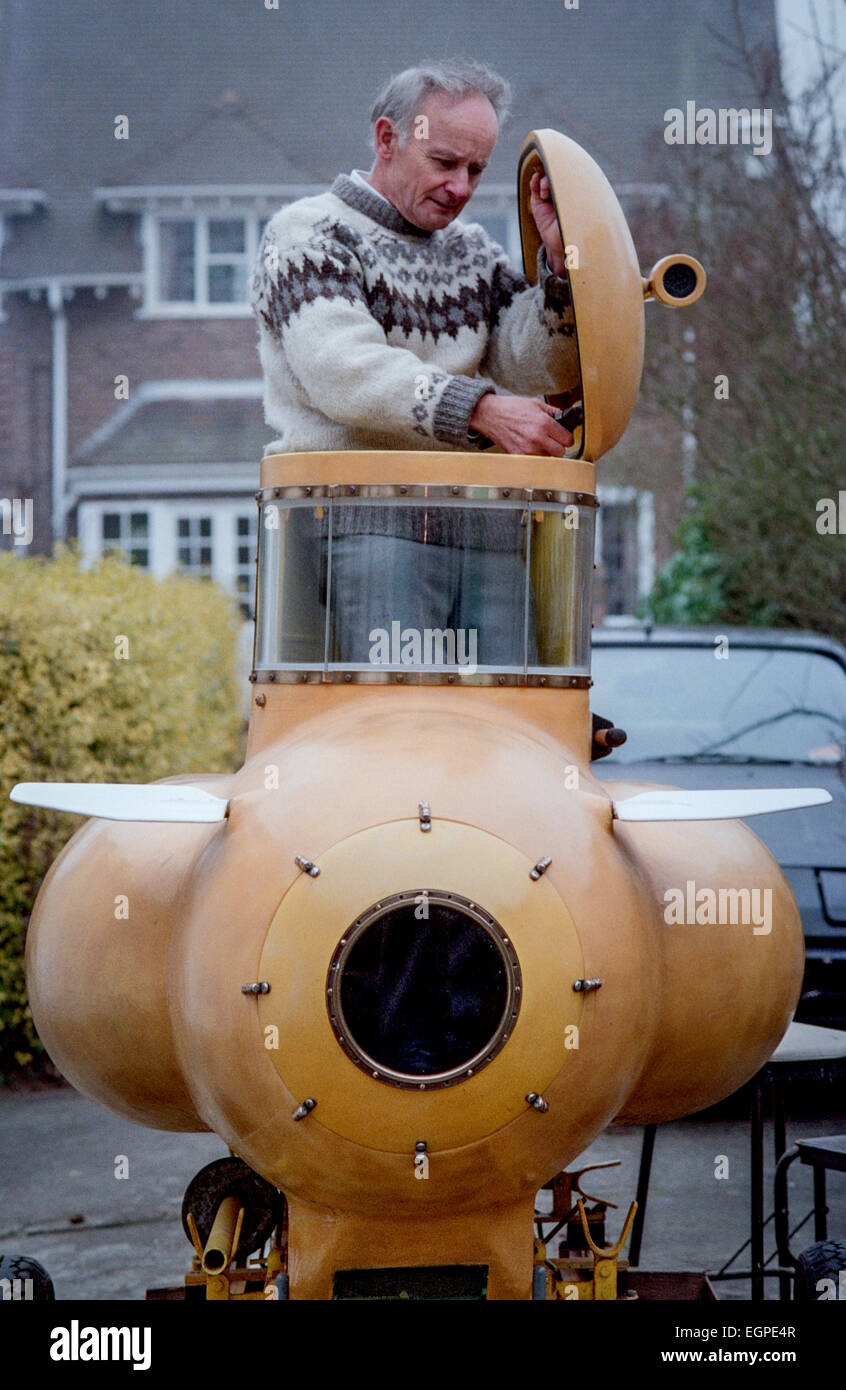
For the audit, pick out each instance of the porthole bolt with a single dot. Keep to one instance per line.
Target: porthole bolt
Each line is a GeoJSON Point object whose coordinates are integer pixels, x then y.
{"type": "Point", "coordinates": [540, 868]}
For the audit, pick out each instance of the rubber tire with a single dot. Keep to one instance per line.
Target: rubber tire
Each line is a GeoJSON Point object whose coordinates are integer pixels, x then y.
{"type": "Point", "coordinates": [825, 1260]}
{"type": "Point", "coordinates": [22, 1267]}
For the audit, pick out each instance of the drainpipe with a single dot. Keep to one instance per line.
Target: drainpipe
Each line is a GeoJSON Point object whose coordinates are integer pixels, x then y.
{"type": "Point", "coordinates": [56, 303]}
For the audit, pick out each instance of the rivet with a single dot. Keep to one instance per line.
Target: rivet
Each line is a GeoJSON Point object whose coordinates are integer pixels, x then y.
{"type": "Point", "coordinates": [261, 699]}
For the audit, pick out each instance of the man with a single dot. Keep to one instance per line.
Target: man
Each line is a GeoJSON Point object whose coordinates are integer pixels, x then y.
{"type": "Point", "coordinates": [385, 323]}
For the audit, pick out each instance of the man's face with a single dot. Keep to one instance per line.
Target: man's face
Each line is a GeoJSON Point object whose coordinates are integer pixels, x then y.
{"type": "Point", "coordinates": [432, 176]}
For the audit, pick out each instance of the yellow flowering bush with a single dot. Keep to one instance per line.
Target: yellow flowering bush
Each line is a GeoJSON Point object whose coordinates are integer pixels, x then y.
{"type": "Point", "coordinates": [106, 675]}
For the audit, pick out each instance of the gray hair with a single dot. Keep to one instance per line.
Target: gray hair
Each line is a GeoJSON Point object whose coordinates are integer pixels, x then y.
{"type": "Point", "coordinates": [401, 96]}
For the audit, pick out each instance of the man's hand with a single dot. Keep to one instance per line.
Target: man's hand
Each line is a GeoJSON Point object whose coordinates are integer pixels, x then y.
{"type": "Point", "coordinates": [543, 211]}
{"type": "Point", "coordinates": [521, 425]}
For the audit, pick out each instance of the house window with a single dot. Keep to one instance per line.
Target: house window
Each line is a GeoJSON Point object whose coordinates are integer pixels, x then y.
{"type": "Point", "coordinates": [127, 532]}
{"type": "Point", "coordinates": [176, 261]}
{"type": "Point", "coordinates": [226, 261]}
{"type": "Point", "coordinates": [202, 263]}
{"type": "Point", "coordinates": [625, 551]}
{"type": "Point", "coordinates": [246, 528]}
{"type": "Point", "coordinates": [194, 545]}
{"type": "Point", "coordinates": [619, 556]}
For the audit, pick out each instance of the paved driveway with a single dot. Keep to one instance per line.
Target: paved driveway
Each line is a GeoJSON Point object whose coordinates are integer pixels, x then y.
{"type": "Point", "coordinates": [103, 1237]}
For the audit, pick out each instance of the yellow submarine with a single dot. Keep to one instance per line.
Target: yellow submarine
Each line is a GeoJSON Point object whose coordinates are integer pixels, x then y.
{"type": "Point", "coordinates": [412, 958]}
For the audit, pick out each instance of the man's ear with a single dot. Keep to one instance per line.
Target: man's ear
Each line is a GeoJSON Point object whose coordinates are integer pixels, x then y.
{"type": "Point", "coordinates": [386, 138]}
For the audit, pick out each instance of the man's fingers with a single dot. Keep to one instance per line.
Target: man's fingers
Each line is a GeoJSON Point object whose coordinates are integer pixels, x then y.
{"type": "Point", "coordinates": [557, 430]}
{"type": "Point", "coordinates": [568, 438]}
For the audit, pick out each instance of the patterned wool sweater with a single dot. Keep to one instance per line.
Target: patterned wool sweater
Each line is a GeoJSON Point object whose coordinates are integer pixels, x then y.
{"type": "Point", "coordinates": [375, 334]}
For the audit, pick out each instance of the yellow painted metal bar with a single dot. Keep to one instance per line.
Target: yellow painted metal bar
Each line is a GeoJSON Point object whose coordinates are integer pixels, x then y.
{"type": "Point", "coordinates": [223, 1237]}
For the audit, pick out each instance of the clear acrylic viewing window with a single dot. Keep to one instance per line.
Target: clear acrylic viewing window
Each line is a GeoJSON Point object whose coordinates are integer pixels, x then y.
{"type": "Point", "coordinates": [466, 587]}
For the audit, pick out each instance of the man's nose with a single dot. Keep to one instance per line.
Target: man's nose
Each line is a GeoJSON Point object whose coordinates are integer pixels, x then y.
{"type": "Point", "coordinates": [458, 185]}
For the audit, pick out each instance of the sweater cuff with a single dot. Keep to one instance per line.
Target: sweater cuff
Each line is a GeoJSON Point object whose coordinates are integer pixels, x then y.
{"type": "Point", "coordinates": [451, 423]}
{"type": "Point", "coordinates": [556, 288]}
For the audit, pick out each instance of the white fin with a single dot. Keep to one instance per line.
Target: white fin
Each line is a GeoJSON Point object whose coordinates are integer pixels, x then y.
{"type": "Point", "coordinates": [716, 805]}
{"type": "Point", "coordinates": [124, 801]}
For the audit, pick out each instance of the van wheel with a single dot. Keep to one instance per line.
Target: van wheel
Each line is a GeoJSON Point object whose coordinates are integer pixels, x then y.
{"type": "Point", "coordinates": [825, 1261]}
{"type": "Point", "coordinates": [23, 1279]}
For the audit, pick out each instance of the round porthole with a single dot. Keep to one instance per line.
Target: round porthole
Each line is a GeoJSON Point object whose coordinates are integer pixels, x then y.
{"type": "Point", "coordinates": [423, 989]}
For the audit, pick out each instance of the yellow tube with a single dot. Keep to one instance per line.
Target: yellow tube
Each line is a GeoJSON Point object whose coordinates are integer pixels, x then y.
{"type": "Point", "coordinates": [220, 1246]}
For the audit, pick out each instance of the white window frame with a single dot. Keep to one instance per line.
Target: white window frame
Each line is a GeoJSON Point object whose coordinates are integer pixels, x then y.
{"type": "Point", "coordinates": [163, 540]}
{"type": "Point", "coordinates": [100, 546]}
{"type": "Point", "coordinates": [200, 306]}
{"type": "Point", "coordinates": [251, 539]}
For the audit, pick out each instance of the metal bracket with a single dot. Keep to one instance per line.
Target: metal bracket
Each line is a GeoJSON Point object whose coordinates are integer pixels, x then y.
{"type": "Point", "coordinates": [256, 987]}
{"type": "Point", "coordinates": [304, 1109]}
{"type": "Point", "coordinates": [306, 865]}
{"type": "Point", "coordinates": [605, 1260]}
{"type": "Point", "coordinates": [585, 986]}
{"type": "Point", "coordinates": [540, 868]}
{"type": "Point", "coordinates": [425, 816]}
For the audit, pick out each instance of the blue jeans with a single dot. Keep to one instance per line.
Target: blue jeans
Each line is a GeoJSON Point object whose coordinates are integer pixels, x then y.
{"type": "Point", "coordinates": [381, 580]}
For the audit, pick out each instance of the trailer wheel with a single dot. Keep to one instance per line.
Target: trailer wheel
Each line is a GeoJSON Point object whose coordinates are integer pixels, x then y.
{"type": "Point", "coordinates": [821, 1273]}
{"type": "Point", "coordinates": [23, 1279]}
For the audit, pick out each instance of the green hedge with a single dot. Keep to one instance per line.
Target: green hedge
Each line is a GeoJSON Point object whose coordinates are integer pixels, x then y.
{"type": "Point", "coordinates": [106, 675]}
